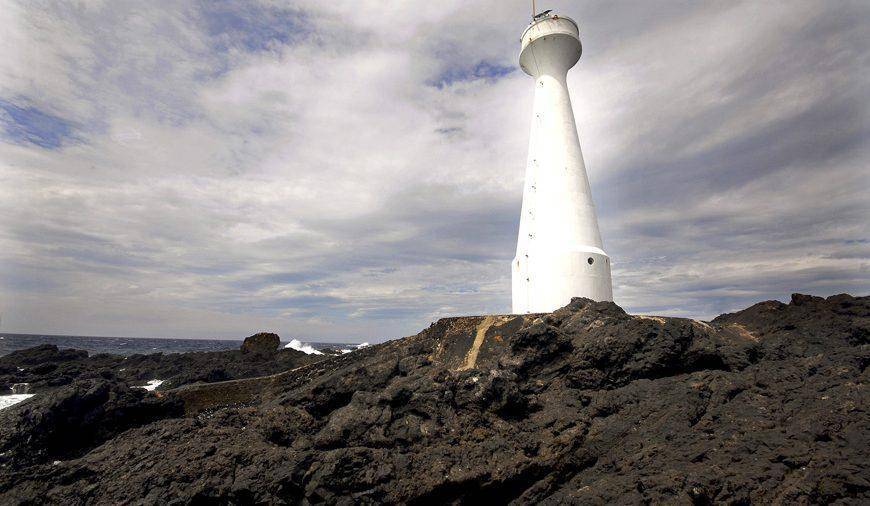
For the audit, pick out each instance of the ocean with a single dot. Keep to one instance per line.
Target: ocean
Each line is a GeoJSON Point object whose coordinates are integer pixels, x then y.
{"type": "Point", "coordinates": [132, 345]}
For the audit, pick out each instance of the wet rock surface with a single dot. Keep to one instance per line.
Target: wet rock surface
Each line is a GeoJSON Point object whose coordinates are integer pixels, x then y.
{"type": "Point", "coordinates": [584, 405]}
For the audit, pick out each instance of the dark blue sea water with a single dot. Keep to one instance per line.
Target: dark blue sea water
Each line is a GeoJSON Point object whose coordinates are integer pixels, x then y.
{"type": "Point", "coordinates": [130, 345]}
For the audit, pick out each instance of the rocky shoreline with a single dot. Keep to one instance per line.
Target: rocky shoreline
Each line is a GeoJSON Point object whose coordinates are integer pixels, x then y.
{"type": "Point", "coordinates": [45, 367]}
{"type": "Point", "coordinates": [584, 405]}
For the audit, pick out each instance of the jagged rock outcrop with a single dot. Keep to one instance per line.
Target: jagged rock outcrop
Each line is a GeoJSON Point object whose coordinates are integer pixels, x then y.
{"type": "Point", "coordinates": [76, 418]}
{"type": "Point", "coordinates": [584, 405]}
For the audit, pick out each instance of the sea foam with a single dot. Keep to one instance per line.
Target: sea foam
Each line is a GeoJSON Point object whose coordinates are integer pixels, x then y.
{"type": "Point", "coordinates": [151, 385]}
{"type": "Point", "coordinates": [11, 400]}
{"type": "Point", "coordinates": [306, 348]}
{"type": "Point", "coordinates": [356, 347]}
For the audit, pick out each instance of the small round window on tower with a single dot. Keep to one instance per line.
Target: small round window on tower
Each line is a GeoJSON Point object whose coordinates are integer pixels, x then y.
{"type": "Point", "coordinates": [590, 260]}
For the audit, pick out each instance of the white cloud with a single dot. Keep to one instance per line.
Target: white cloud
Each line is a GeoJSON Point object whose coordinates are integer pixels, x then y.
{"type": "Point", "coordinates": [253, 165]}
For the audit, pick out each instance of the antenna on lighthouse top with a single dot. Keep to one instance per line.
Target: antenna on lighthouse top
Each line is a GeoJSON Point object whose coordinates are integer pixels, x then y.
{"type": "Point", "coordinates": [538, 15]}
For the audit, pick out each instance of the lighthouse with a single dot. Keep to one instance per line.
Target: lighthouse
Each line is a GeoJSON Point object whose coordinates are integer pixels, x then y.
{"type": "Point", "coordinates": [559, 250]}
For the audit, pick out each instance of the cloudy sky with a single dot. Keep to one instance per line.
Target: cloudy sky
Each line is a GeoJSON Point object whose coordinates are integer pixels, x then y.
{"type": "Point", "coordinates": [352, 169]}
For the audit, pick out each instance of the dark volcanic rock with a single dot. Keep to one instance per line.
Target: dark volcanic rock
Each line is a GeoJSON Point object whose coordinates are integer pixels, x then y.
{"type": "Point", "coordinates": [42, 354]}
{"type": "Point", "coordinates": [584, 405]}
{"type": "Point", "coordinates": [263, 343]}
{"type": "Point", "coordinates": [45, 367]}
{"type": "Point", "coordinates": [67, 422]}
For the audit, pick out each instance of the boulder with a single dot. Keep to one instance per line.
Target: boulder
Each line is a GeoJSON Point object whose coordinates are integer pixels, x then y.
{"type": "Point", "coordinates": [263, 343]}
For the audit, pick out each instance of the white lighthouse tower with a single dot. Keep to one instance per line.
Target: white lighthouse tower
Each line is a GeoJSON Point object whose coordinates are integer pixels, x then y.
{"type": "Point", "coordinates": [559, 250]}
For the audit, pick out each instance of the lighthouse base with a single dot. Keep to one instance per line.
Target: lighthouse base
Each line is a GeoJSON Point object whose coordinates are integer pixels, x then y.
{"type": "Point", "coordinates": [545, 281]}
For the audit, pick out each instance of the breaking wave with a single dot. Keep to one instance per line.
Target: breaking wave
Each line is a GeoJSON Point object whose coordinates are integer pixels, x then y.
{"type": "Point", "coordinates": [306, 348]}
{"type": "Point", "coordinates": [355, 347]}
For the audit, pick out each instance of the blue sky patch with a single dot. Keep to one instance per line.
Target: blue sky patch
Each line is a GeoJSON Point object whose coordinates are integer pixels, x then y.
{"type": "Point", "coordinates": [29, 125]}
{"type": "Point", "coordinates": [252, 27]}
{"type": "Point", "coordinates": [482, 70]}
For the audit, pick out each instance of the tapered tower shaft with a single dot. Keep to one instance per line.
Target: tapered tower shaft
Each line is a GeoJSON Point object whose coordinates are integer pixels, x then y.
{"type": "Point", "coordinates": [559, 250]}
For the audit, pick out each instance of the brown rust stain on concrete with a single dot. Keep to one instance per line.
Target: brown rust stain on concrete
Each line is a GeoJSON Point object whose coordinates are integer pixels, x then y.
{"type": "Point", "coordinates": [471, 356]}
{"type": "Point", "coordinates": [741, 330]}
{"type": "Point", "coordinates": [658, 319]}
{"type": "Point", "coordinates": [704, 325]}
